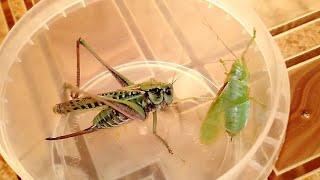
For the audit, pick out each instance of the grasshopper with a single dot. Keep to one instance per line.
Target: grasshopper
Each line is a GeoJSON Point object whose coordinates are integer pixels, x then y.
{"type": "Point", "coordinates": [132, 101]}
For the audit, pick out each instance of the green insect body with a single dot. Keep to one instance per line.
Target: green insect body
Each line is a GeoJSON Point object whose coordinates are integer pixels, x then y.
{"type": "Point", "coordinates": [109, 118]}
{"type": "Point", "coordinates": [80, 104]}
{"type": "Point", "coordinates": [230, 110]}
{"type": "Point", "coordinates": [231, 105]}
{"type": "Point", "coordinates": [235, 98]}
{"type": "Point", "coordinates": [132, 101]}
{"type": "Point", "coordinates": [147, 97]}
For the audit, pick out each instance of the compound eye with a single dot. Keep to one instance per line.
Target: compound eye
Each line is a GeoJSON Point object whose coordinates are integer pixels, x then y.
{"type": "Point", "coordinates": [168, 91]}
{"type": "Point", "coordinates": [168, 96]}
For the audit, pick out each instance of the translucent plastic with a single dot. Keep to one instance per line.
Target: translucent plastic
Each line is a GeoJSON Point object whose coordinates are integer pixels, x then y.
{"type": "Point", "coordinates": [142, 39]}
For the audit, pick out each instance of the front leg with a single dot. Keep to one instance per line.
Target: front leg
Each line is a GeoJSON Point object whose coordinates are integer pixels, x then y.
{"type": "Point", "coordinates": [154, 130]}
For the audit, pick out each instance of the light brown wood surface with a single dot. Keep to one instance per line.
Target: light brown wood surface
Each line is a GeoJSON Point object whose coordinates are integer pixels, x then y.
{"type": "Point", "coordinates": [303, 127]}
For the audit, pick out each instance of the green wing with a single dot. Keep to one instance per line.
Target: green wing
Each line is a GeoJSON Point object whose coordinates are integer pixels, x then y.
{"type": "Point", "coordinates": [213, 123]}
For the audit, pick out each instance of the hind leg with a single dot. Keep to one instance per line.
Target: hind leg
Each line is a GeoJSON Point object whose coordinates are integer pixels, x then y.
{"type": "Point", "coordinates": [88, 130]}
{"type": "Point", "coordinates": [73, 94]}
{"type": "Point", "coordinates": [119, 77]}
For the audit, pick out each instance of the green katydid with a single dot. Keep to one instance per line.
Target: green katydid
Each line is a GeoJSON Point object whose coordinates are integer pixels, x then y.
{"type": "Point", "coordinates": [232, 103]}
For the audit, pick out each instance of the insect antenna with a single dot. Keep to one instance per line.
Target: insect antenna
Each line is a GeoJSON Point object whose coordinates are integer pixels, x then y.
{"type": "Point", "coordinates": [205, 22]}
{"type": "Point", "coordinates": [250, 43]}
{"type": "Point", "coordinates": [174, 78]}
{"type": "Point", "coordinates": [88, 130]}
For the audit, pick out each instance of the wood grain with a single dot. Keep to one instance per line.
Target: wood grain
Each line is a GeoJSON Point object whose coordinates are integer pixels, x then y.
{"type": "Point", "coordinates": [308, 54]}
{"type": "Point", "coordinates": [35, 1]}
{"type": "Point", "coordinates": [7, 13]}
{"type": "Point", "coordinates": [303, 132]}
{"type": "Point", "coordinates": [300, 40]}
{"type": "Point", "coordinates": [297, 22]}
{"type": "Point", "coordinates": [278, 12]}
{"type": "Point", "coordinates": [299, 171]}
{"type": "Point", "coordinates": [28, 3]}
{"type": "Point", "coordinates": [3, 25]}
{"type": "Point", "coordinates": [314, 175]}
{"type": "Point", "coordinates": [18, 8]}
{"type": "Point", "coordinates": [6, 172]}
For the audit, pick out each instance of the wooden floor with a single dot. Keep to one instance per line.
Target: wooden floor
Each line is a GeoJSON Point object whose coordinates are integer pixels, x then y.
{"type": "Point", "coordinates": [295, 25]}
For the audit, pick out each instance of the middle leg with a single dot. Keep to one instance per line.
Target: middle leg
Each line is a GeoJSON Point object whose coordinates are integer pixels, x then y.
{"type": "Point", "coordinates": [154, 131]}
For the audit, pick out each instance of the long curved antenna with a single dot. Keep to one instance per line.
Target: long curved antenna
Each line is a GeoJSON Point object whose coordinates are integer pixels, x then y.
{"type": "Point", "coordinates": [205, 22]}
{"type": "Point", "coordinates": [250, 43]}
{"type": "Point", "coordinates": [174, 78]}
{"type": "Point", "coordinates": [88, 130]}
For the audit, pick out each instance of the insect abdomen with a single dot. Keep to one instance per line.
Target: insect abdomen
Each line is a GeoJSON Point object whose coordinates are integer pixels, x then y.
{"type": "Point", "coordinates": [236, 117]}
{"type": "Point", "coordinates": [236, 100]}
{"type": "Point", "coordinates": [89, 103]}
{"type": "Point", "coordinates": [76, 104]}
{"type": "Point", "coordinates": [108, 118]}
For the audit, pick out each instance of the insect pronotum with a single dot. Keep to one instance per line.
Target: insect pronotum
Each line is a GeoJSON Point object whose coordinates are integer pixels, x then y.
{"type": "Point", "coordinates": [232, 103]}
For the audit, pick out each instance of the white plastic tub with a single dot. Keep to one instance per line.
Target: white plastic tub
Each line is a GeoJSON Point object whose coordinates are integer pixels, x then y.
{"type": "Point", "coordinates": [142, 39]}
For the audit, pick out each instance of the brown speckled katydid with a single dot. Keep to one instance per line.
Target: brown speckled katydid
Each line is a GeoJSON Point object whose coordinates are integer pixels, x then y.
{"type": "Point", "coordinates": [132, 101]}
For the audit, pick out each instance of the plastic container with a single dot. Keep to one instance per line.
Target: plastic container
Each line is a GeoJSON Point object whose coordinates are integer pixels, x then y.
{"type": "Point", "coordinates": [142, 39]}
